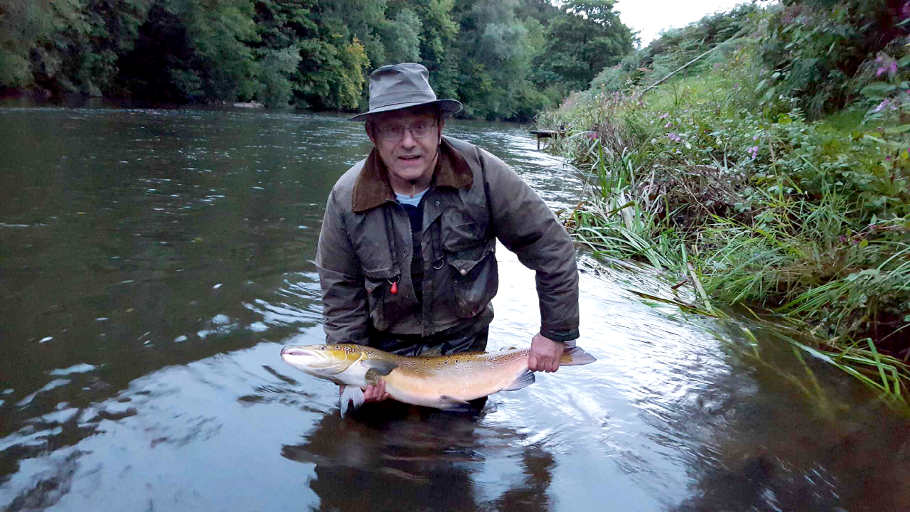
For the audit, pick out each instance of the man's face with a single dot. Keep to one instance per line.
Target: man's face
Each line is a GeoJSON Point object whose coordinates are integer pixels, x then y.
{"type": "Point", "coordinates": [407, 141]}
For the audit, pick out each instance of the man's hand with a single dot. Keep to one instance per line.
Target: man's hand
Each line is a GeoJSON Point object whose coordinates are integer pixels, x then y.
{"type": "Point", "coordinates": [544, 354]}
{"type": "Point", "coordinates": [375, 392]}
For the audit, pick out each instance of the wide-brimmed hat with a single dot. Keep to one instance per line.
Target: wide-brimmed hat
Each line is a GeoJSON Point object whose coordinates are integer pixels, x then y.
{"type": "Point", "coordinates": [405, 85]}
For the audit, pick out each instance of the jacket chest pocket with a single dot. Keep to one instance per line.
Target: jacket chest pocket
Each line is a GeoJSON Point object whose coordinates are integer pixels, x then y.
{"type": "Point", "coordinates": [475, 278]}
{"type": "Point", "coordinates": [471, 262]}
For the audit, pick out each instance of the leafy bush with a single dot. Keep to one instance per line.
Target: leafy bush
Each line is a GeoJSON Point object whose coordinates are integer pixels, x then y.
{"type": "Point", "coordinates": [813, 49]}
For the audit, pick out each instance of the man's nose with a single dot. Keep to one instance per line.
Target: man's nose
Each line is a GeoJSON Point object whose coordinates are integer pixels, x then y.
{"type": "Point", "coordinates": [407, 138]}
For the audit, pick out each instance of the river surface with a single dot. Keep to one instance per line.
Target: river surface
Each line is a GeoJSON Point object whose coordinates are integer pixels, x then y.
{"type": "Point", "coordinates": [154, 262]}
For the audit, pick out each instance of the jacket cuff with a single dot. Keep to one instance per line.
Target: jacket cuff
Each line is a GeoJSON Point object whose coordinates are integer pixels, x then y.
{"type": "Point", "coordinates": [559, 335]}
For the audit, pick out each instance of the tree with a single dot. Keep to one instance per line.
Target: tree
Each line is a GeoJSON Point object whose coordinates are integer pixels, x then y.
{"type": "Point", "coordinates": [584, 39]}
{"type": "Point", "coordinates": [192, 51]}
{"type": "Point", "coordinates": [437, 41]}
{"type": "Point", "coordinates": [23, 25]}
{"type": "Point", "coordinates": [401, 36]}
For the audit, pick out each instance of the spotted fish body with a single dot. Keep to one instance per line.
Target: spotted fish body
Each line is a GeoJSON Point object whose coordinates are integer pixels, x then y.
{"type": "Point", "coordinates": [443, 382]}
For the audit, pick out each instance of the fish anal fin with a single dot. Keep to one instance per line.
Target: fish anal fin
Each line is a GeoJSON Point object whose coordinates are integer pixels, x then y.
{"type": "Point", "coordinates": [575, 356]}
{"type": "Point", "coordinates": [351, 396]}
{"type": "Point", "coordinates": [522, 381]}
{"type": "Point", "coordinates": [450, 403]}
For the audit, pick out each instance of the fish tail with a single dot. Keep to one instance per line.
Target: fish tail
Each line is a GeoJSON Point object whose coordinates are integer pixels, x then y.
{"type": "Point", "coordinates": [575, 356]}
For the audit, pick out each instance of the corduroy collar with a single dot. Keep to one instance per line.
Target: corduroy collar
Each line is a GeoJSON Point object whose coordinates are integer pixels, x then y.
{"type": "Point", "coordinates": [372, 187]}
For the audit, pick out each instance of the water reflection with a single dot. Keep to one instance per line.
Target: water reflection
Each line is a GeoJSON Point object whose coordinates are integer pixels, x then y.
{"type": "Point", "coordinates": [429, 458]}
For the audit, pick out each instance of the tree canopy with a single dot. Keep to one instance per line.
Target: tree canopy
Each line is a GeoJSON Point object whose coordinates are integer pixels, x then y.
{"type": "Point", "coordinates": [504, 59]}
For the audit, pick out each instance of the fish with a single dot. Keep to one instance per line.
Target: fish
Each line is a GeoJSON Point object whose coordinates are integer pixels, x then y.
{"type": "Point", "coordinates": [442, 382]}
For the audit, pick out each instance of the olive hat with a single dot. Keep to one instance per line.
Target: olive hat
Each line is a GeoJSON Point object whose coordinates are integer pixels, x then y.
{"type": "Point", "coordinates": [405, 85]}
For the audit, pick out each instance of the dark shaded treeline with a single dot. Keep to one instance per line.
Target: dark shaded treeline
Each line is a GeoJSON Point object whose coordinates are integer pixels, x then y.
{"type": "Point", "coordinates": [504, 59]}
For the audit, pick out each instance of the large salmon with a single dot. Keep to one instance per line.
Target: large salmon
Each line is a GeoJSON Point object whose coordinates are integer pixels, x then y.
{"type": "Point", "coordinates": [443, 382]}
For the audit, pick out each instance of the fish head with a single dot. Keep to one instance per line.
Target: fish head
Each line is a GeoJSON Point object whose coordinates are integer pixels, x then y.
{"type": "Point", "coordinates": [325, 361]}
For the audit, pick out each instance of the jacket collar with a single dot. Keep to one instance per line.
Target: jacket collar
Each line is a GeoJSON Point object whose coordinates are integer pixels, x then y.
{"type": "Point", "coordinates": [372, 187]}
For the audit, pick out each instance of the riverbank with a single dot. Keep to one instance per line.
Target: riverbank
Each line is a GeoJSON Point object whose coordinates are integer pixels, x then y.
{"type": "Point", "coordinates": [756, 203]}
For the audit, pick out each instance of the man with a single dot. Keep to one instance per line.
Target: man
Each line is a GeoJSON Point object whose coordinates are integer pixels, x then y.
{"type": "Point", "coordinates": [406, 252]}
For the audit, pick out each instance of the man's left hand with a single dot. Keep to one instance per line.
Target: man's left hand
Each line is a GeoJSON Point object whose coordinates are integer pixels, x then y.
{"type": "Point", "coordinates": [544, 354]}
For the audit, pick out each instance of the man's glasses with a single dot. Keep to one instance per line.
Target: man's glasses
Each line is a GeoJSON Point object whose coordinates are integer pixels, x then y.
{"type": "Point", "coordinates": [395, 132]}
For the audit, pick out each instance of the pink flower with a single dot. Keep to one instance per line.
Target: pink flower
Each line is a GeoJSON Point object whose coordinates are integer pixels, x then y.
{"type": "Point", "coordinates": [885, 104]}
{"type": "Point", "coordinates": [885, 65]}
{"type": "Point", "coordinates": [753, 152]}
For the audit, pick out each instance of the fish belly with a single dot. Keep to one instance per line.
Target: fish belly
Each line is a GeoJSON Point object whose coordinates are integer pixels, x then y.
{"type": "Point", "coordinates": [440, 389]}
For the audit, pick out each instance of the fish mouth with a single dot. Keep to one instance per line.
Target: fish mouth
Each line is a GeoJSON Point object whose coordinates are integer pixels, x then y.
{"type": "Point", "coordinates": [292, 351]}
{"type": "Point", "coordinates": [312, 359]}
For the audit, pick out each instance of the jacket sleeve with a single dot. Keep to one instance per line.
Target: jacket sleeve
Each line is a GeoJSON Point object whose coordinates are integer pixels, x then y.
{"type": "Point", "coordinates": [527, 227]}
{"type": "Point", "coordinates": [344, 298]}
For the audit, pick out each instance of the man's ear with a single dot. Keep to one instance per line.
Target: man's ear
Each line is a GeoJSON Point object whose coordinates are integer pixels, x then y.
{"type": "Point", "coordinates": [368, 126]}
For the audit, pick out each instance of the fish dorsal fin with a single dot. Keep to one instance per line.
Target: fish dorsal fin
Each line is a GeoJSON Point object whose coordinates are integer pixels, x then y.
{"type": "Point", "coordinates": [351, 396]}
{"type": "Point", "coordinates": [523, 380]}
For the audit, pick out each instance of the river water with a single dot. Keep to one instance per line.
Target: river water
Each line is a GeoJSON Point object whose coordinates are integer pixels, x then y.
{"type": "Point", "coordinates": [153, 263]}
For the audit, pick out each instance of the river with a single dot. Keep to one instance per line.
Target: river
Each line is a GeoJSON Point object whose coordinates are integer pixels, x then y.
{"type": "Point", "coordinates": [154, 262]}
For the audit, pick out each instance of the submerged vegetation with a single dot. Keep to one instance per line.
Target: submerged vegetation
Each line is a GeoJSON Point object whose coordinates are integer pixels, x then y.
{"type": "Point", "coordinates": [773, 173]}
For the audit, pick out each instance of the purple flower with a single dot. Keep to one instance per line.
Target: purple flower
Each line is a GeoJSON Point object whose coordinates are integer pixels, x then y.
{"type": "Point", "coordinates": [885, 104]}
{"type": "Point", "coordinates": [674, 137]}
{"type": "Point", "coordinates": [669, 124]}
{"type": "Point", "coordinates": [664, 115]}
{"type": "Point", "coordinates": [885, 65]}
{"type": "Point", "coordinates": [753, 152]}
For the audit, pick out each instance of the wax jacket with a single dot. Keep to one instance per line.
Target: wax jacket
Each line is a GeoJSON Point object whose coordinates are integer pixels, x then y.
{"type": "Point", "coordinates": [365, 247]}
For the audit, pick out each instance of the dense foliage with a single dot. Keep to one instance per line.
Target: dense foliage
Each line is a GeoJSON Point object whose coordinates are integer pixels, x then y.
{"type": "Point", "coordinates": [794, 202]}
{"type": "Point", "coordinates": [506, 59]}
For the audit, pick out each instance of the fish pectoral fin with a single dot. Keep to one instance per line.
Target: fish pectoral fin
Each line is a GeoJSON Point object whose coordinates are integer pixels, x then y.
{"type": "Point", "coordinates": [351, 396]}
{"type": "Point", "coordinates": [522, 381]}
{"type": "Point", "coordinates": [372, 376]}
{"type": "Point", "coordinates": [381, 367]}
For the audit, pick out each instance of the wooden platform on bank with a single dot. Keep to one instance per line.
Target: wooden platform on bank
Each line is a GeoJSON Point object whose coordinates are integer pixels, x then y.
{"type": "Point", "coordinates": [547, 134]}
